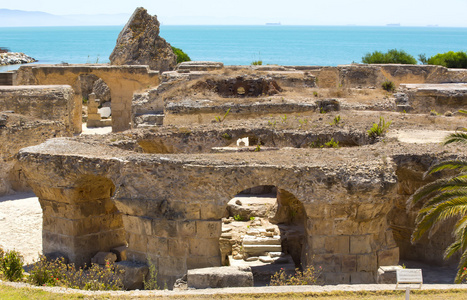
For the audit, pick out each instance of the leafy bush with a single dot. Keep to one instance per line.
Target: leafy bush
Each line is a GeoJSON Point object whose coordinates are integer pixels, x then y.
{"type": "Point", "coordinates": [379, 129]}
{"type": "Point", "coordinates": [309, 276]}
{"type": "Point", "coordinates": [238, 218]}
{"type": "Point", "coordinates": [388, 86]}
{"type": "Point", "coordinates": [11, 265]}
{"type": "Point", "coordinates": [181, 56]}
{"type": "Point", "coordinates": [58, 273]}
{"type": "Point", "coordinates": [150, 282]}
{"type": "Point", "coordinates": [393, 56]}
{"type": "Point", "coordinates": [257, 63]}
{"type": "Point", "coordinates": [449, 59]}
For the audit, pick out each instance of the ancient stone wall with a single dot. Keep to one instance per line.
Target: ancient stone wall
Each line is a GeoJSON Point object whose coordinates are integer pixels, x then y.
{"type": "Point", "coordinates": [123, 81]}
{"type": "Point", "coordinates": [54, 103]}
{"type": "Point", "coordinates": [353, 76]}
{"type": "Point", "coordinates": [410, 173]}
{"type": "Point", "coordinates": [171, 210]}
{"type": "Point", "coordinates": [17, 132]}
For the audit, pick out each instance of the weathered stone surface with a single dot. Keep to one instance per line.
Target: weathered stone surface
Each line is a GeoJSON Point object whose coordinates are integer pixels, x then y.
{"type": "Point", "coordinates": [139, 43]}
{"type": "Point", "coordinates": [199, 66]}
{"type": "Point", "coordinates": [122, 81]}
{"type": "Point", "coordinates": [101, 258]}
{"type": "Point", "coordinates": [219, 278]}
{"type": "Point", "coordinates": [14, 58]}
{"type": "Point", "coordinates": [133, 274]}
{"type": "Point", "coordinates": [101, 90]}
{"type": "Point", "coordinates": [120, 252]}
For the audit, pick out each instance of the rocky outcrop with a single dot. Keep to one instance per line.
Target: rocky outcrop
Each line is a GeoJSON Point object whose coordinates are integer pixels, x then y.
{"type": "Point", "coordinates": [139, 43]}
{"type": "Point", "coordinates": [15, 58]}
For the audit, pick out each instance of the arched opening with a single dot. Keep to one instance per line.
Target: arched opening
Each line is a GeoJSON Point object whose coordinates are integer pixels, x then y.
{"type": "Point", "coordinates": [264, 228]}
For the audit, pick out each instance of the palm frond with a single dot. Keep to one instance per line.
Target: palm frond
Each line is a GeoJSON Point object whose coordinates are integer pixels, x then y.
{"type": "Point", "coordinates": [457, 137]}
{"type": "Point", "coordinates": [452, 249]}
{"type": "Point", "coordinates": [436, 214]}
{"type": "Point", "coordinates": [449, 164]}
{"type": "Point", "coordinates": [437, 186]}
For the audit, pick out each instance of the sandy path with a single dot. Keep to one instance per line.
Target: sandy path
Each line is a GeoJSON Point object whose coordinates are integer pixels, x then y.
{"type": "Point", "coordinates": [21, 225]}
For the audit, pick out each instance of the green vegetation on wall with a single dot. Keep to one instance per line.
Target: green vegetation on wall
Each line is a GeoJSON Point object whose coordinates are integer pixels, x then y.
{"type": "Point", "coordinates": [181, 56]}
{"type": "Point", "coordinates": [393, 56]}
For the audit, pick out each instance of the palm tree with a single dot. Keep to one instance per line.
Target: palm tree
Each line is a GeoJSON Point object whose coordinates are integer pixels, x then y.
{"type": "Point", "coordinates": [444, 199]}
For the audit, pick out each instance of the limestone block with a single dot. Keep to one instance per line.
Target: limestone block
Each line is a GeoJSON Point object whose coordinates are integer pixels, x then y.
{"type": "Point", "coordinates": [336, 278]}
{"type": "Point", "coordinates": [337, 244]}
{"type": "Point", "coordinates": [137, 242]}
{"type": "Point", "coordinates": [367, 263]}
{"type": "Point", "coordinates": [208, 229]}
{"type": "Point", "coordinates": [172, 266]}
{"type": "Point", "coordinates": [101, 258]}
{"type": "Point", "coordinates": [186, 228]}
{"type": "Point", "coordinates": [133, 274]}
{"type": "Point", "coordinates": [253, 240]}
{"type": "Point", "coordinates": [120, 252]}
{"type": "Point", "coordinates": [204, 247]}
{"type": "Point", "coordinates": [331, 263]}
{"type": "Point", "coordinates": [360, 244]}
{"type": "Point", "coordinates": [219, 278]}
{"type": "Point", "coordinates": [388, 257]}
{"type": "Point", "coordinates": [346, 227]}
{"type": "Point", "coordinates": [164, 228]}
{"type": "Point", "coordinates": [196, 262]}
{"type": "Point", "coordinates": [349, 263]}
{"type": "Point", "coordinates": [320, 226]}
{"type": "Point", "coordinates": [317, 243]}
{"type": "Point", "coordinates": [158, 246]}
{"type": "Point", "coordinates": [362, 277]}
{"type": "Point", "coordinates": [178, 247]}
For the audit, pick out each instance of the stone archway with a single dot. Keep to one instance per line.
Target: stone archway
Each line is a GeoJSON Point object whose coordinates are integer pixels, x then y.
{"type": "Point", "coordinates": [264, 229]}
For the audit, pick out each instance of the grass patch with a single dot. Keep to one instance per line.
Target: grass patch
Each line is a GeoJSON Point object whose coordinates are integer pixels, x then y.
{"type": "Point", "coordinates": [12, 293]}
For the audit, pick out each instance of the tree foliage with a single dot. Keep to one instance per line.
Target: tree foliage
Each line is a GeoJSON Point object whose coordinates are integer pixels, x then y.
{"type": "Point", "coordinates": [393, 56]}
{"type": "Point", "coordinates": [449, 59]}
{"type": "Point", "coordinates": [444, 199]}
{"type": "Point", "coordinates": [181, 56]}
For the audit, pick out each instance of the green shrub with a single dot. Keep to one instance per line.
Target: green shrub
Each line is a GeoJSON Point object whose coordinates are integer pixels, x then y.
{"type": "Point", "coordinates": [11, 265]}
{"type": "Point", "coordinates": [58, 273]}
{"type": "Point", "coordinates": [309, 276]}
{"type": "Point", "coordinates": [181, 56]}
{"type": "Point", "coordinates": [257, 63]}
{"type": "Point", "coordinates": [449, 59]}
{"type": "Point", "coordinates": [379, 129]}
{"type": "Point", "coordinates": [393, 56]}
{"type": "Point", "coordinates": [150, 282]}
{"type": "Point", "coordinates": [238, 218]}
{"type": "Point", "coordinates": [388, 86]}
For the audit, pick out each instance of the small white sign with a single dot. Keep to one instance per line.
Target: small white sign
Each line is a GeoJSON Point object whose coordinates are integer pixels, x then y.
{"type": "Point", "coordinates": [409, 276]}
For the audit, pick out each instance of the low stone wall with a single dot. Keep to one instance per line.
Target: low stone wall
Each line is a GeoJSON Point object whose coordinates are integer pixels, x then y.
{"type": "Point", "coordinates": [171, 207]}
{"type": "Point", "coordinates": [354, 76]}
{"type": "Point", "coordinates": [17, 132]}
{"type": "Point", "coordinates": [122, 81]}
{"type": "Point", "coordinates": [54, 103]}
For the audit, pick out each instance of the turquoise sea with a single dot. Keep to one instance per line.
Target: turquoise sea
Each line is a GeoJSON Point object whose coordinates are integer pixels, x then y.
{"type": "Point", "coordinates": [239, 45]}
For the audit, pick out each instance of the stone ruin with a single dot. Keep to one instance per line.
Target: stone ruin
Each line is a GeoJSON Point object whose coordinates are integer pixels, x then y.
{"type": "Point", "coordinates": [170, 184]}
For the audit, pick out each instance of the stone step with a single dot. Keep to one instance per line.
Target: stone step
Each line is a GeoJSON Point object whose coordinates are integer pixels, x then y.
{"type": "Point", "coordinates": [150, 120]}
{"type": "Point", "coordinates": [262, 272]}
{"type": "Point", "coordinates": [219, 277]}
{"type": "Point", "coordinates": [261, 249]}
{"type": "Point", "coordinates": [260, 240]}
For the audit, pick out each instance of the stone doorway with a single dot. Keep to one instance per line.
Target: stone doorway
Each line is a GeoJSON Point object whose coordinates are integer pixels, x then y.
{"type": "Point", "coordinates": [264, 229]}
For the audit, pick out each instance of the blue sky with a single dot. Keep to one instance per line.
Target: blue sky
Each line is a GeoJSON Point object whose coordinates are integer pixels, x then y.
{"type": "Point", "coordinates": [291, 12]}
